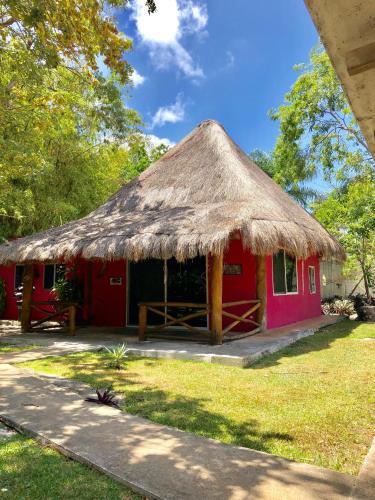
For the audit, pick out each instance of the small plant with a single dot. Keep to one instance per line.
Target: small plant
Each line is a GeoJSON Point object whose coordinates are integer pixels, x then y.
{"type": "Point", "coordinates": [104, 397]}
{"type": "Point", "coordinates": [343, 307]}
{"type": "Point", "coordinates": [117, 356]}
{"type": "Point", "coordinates": [68, 289]}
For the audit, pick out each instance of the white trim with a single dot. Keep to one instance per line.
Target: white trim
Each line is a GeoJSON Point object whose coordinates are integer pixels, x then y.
{"type": "Point", "coordinates": [314, 291]}
{"type": "Point", "coordinates": [280, 294]}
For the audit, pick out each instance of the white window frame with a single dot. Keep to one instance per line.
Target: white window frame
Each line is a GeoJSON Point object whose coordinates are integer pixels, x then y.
{"type": "Point", "coordinates": [286, 291]}
{"type": "Point", "coordinates": [312, 292]}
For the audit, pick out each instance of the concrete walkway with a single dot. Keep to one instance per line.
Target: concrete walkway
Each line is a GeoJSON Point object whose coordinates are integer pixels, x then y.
{"type": "Point", "coordinates": [241, 352]}
{"type": "Point", "coordinates": [156, 460]}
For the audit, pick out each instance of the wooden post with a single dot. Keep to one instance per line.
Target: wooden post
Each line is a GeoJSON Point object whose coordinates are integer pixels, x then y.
{"type": "Point", "coordinates": [27, 290]}
{"type": "Point", "coordinates": [217, 299]}
{"type": "Point", "coordinates": [261, 291]}
{"type": "Point", "coordinates": [142, 322]}
{"type": "Point", "coordinates": [72, 320]}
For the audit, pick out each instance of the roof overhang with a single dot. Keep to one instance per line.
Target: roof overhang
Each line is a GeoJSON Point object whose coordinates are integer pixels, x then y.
{"type": "Point", "coordinates": [347, 30]}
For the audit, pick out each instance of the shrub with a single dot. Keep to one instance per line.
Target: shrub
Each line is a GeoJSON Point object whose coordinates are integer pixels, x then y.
{"type": "Point", "coordinates": [104, 397]}
{"type": "Point", "coordinates": [343, 307]}
{"type": "Point", "coordinates": [359, 301]}
{"type": "Point", "coordinates": [117, 356]}
{"type": "Point", "coordinates": [3, 295]}
{"type": "Point", "coordinates": [68, 290]}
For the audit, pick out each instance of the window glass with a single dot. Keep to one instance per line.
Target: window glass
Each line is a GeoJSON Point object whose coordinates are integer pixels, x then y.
{"type": "Point", "coordinates": [18, 275]}
{"type": "Point", "coordinates": [312, 283]}
{"type": "Point", "coordinates": [291, 274]}
{"type": "Point", "coordinates": [278, 270]}
{"type": "Point", "coordinates": [49, 276]}
{"type": "Point", "coordinates": [59, 272]}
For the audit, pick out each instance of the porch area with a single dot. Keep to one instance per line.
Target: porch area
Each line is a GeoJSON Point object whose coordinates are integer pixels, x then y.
{"type": "Point", "coordinates": [242, 352]}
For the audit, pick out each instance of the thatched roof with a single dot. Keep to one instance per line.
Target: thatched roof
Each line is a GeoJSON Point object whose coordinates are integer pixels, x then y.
{"type": "Point", "coordinates": [190, 202]}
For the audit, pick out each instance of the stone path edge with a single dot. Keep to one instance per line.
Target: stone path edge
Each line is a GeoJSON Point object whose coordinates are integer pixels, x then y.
{"type": "Point", "coordinates": [74, 456]}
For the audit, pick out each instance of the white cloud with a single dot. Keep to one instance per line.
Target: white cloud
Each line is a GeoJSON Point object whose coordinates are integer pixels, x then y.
{"type": "Point", "coordinates": [163, 31]}
{"type": "Point", "coordinates": [156, 141]}
{"type": "Point", "coordinates": [230, 59]}
{"type": "Point", "coordinates": [172, 113]}
{"type": "Point", "coordinates": [137, 78]}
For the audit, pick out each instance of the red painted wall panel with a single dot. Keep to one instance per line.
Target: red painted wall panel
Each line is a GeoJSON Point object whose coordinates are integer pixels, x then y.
{"type": "Point", "coordinates": [7, 274]}
{"type": "Point", "coordinates": [108, 301]}
{"type": "Point", "coordinates": [286, 309]}
{"type": "Point", "coordinates": [238, 287]}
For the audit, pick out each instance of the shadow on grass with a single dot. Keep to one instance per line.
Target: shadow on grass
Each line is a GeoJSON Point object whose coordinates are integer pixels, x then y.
{"type": "Point", "coordinates": [190, 414]}
{"type": "Point", "coordinates": [321, 340]}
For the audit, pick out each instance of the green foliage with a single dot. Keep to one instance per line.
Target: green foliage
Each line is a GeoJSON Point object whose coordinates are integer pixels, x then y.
{"type": "Point", "coordinates": [68, 289]}
{"type": "Point", "coordinates": [63, 32]}
{"type": "Point", "coordinates": [60, 141]}
{"type": "Point", "coordinates": [350, 215]}
{"type": "Point", "coordinates": [117, 356]}
{"type": "Point", "coordinates": [140, 155]}
{"type": "Point", "coordinates": [3, 296]}
{"type": "Point", "coordinates": [317, 127]}
{"type": "Point", "coordinates": [292, 184]}
{"type": "Point", "coordinates": [343, 307]}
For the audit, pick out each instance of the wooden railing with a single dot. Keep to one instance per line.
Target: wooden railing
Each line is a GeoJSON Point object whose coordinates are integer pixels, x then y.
{"type": "Point", "coordinates": [255, 305]}
{"type": "Point", "coordinates": [162, 309]}
{"type": "Point", "coordinates": [62, 310]}
{"type": "Point", "coordinates": [144, 307]}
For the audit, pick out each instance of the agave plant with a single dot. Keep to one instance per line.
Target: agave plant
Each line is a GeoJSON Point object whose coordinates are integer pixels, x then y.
{"type": "Point", "coordinates": [104, 397]}
{"type": "Point", "coordinates": [117, 356]}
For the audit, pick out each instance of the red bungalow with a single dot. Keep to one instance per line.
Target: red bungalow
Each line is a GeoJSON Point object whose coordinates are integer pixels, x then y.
{"type": "Point", "coordinates": [202, 243]}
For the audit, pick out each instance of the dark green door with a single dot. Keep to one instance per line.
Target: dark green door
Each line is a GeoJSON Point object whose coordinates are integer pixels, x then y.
{"type": "Point", "coordinates": [146, 284]}
{"type": "Point", "coordinates": [155, 280]}
{"type": "Point", "coordinates": [186, 282]}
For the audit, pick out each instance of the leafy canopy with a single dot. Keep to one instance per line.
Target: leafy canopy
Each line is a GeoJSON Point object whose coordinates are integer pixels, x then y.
{"type": "Point", "coordinates": [64, 32]}
{"type": "Point", "coordinates": [317, 128]}
{"type": "Point", "coordinates": [60, 138]}
{"type": "Point", "coordinates": [350, 215]}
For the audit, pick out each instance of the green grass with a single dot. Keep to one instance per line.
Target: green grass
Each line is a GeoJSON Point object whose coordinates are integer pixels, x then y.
{"type": "Point", "coordinates": [312, 401]}
{"type": "Point", "coordinates": [29, 471]}
{"type": "Point", "coordinates": [4, 348]}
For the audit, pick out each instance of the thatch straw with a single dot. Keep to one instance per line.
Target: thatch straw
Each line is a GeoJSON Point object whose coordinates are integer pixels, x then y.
{"type": "Point", "coordinates": [188, 203]}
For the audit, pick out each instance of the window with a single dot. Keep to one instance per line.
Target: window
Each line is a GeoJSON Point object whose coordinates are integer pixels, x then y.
{"type": "Point", "coordinates": [312, 285]}
{"type": "Point", "coordinates": [18, 275]}
{"type": "Point", "coordinates": [52, 273]}
{"type": "Point", "coordinates": [284, 272]}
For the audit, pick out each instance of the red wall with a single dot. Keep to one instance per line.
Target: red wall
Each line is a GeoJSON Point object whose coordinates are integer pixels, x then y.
{"type": "Point", "coordinates": [238, 287]}
{"type": "Point", "coordinates": [285, 309]}
{"type": "Point", "coordinates": [106, 304]}
{"type": "Point", "coordinates": [108, 301]}
{"type": "Point", "coordinates": [7, 274]}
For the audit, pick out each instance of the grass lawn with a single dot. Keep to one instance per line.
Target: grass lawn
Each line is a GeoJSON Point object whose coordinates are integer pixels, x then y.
{"type": "Point", "coordinates": [313, 401]}
{"type": "Point", "coordinates": [4, 348]}
{"type": "Point", "coordinates": [30, 471]}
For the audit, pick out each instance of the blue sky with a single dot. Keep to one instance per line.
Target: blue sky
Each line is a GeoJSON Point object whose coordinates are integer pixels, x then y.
{"type": "Point", "coordinates": [231, 61]}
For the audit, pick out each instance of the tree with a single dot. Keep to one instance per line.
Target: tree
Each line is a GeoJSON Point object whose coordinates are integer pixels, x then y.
{"type": "Point", "coordinates": [141, 153]}
{"type": "Point", "coordinates": [317, 128]}
{"type": "Point", "coordinates": [65, 32]}
{"type": "Point", "coordinates": [350, 215]}
{"type": "Point", "coordinates": [292, 184]}
{"type": "Point", "coordinates": [60, 141]}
